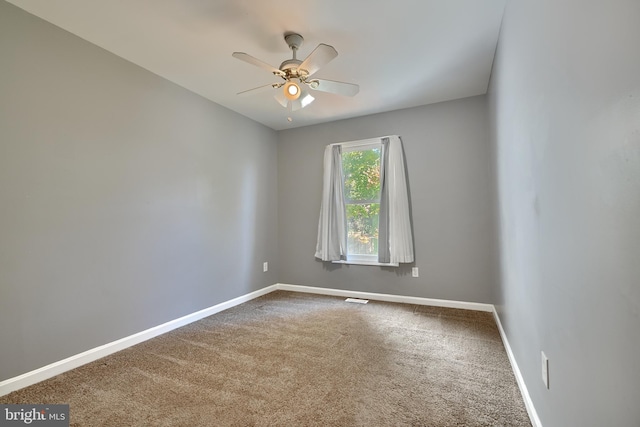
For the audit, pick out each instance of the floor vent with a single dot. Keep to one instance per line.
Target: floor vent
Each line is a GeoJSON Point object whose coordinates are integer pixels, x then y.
{"type": "Point", "coordinates": [357, 300]}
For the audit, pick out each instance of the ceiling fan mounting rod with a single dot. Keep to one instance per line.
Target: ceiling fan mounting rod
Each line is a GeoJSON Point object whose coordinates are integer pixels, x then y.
{"type": "Point", "coordinates": [289, 68]}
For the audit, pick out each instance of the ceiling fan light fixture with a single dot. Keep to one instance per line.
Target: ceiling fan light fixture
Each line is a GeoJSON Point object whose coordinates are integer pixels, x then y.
{"type": "Point", "coordinates": [291, 91]}
{"type": "Point", "coordinates": [306, 100]}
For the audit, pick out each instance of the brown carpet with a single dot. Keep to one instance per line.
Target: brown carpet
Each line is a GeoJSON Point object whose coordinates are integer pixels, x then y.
{"type": "Point", "coordinates": [293, 359]}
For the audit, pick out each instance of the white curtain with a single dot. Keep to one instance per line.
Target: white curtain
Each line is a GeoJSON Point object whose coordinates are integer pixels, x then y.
{"type": "Point", "coordinates": [395, 234]}
{"type": "Point", "coordinates": [332, 226]}
{"type": "Point", "coordinates": [395, 218]}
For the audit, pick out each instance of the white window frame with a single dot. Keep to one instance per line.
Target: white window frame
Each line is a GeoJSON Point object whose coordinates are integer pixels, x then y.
{"type": "Point", "coordinates": [363, 145]}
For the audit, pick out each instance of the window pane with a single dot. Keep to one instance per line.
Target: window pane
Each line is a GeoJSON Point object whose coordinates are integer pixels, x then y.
{"type": "Point", "coordinates": [362, 228]}
{"type": "Point", "coordinates": [361, 170]}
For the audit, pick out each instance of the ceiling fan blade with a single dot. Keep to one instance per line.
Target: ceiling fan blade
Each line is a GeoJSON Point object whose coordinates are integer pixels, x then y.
{"type": "Point", "coordinates": [320, 56]}
{"type": "Point", "coordinates": [259, 89]}
{"type": "Point", "coordinates": [258, 63]}
{"type": "Point", "coordinates": [341, 88]}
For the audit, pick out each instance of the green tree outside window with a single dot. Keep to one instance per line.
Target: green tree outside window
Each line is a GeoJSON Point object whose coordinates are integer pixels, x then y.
{"type": "Point", "coordinates": [361, 171]}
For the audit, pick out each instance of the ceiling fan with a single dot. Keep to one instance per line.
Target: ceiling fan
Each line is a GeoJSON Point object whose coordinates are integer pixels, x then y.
{"type": "Point", "coordinates": [296, 75]}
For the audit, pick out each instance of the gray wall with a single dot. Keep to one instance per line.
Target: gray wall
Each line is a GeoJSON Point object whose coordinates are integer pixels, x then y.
{"type": "Point", "coordinates": [451, 182]}
{"type": "Point", "coordinates": [125, 200]}
{"type": "Point", "coordinates": [565, 101]}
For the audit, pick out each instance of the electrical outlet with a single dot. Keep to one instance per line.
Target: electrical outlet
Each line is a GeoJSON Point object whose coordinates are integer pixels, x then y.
{"type": "Point", "coordinates": [545, 369]}
{"type": "Point", "coordinates": [414, 272]}
{"type": "Point", "coordinates": [265, 267]}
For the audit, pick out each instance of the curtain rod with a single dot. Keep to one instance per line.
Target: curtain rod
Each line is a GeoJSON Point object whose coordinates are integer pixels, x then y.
{"type": "Point", "coordinates": [362, 141]}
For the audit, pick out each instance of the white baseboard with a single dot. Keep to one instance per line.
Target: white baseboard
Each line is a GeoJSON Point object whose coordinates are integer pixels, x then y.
{"type": "Point", "coordinates": [85, 357]}
{"type": "Point", "coordinates": [528, 403]}
{"type": "Point", "coordinates": [388, 297]}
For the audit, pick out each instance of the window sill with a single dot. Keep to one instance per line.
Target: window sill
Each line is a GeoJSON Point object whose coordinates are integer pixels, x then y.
{"type": "Point", "coordinates": [363, 262]}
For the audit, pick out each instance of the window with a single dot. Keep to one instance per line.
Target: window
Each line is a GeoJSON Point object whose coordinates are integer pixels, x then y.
{"type": "Point", "coordinates": [361, 173]}
{"type": "Point", "coordinates": [364, 214]}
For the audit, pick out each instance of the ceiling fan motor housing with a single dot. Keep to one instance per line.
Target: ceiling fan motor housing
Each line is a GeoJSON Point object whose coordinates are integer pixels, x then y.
{"type": "Point", "coordinates": [290, 68]}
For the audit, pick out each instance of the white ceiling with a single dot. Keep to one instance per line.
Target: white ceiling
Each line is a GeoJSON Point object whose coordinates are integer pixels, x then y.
{"type": "Point", "coordinates": [402, 53]}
